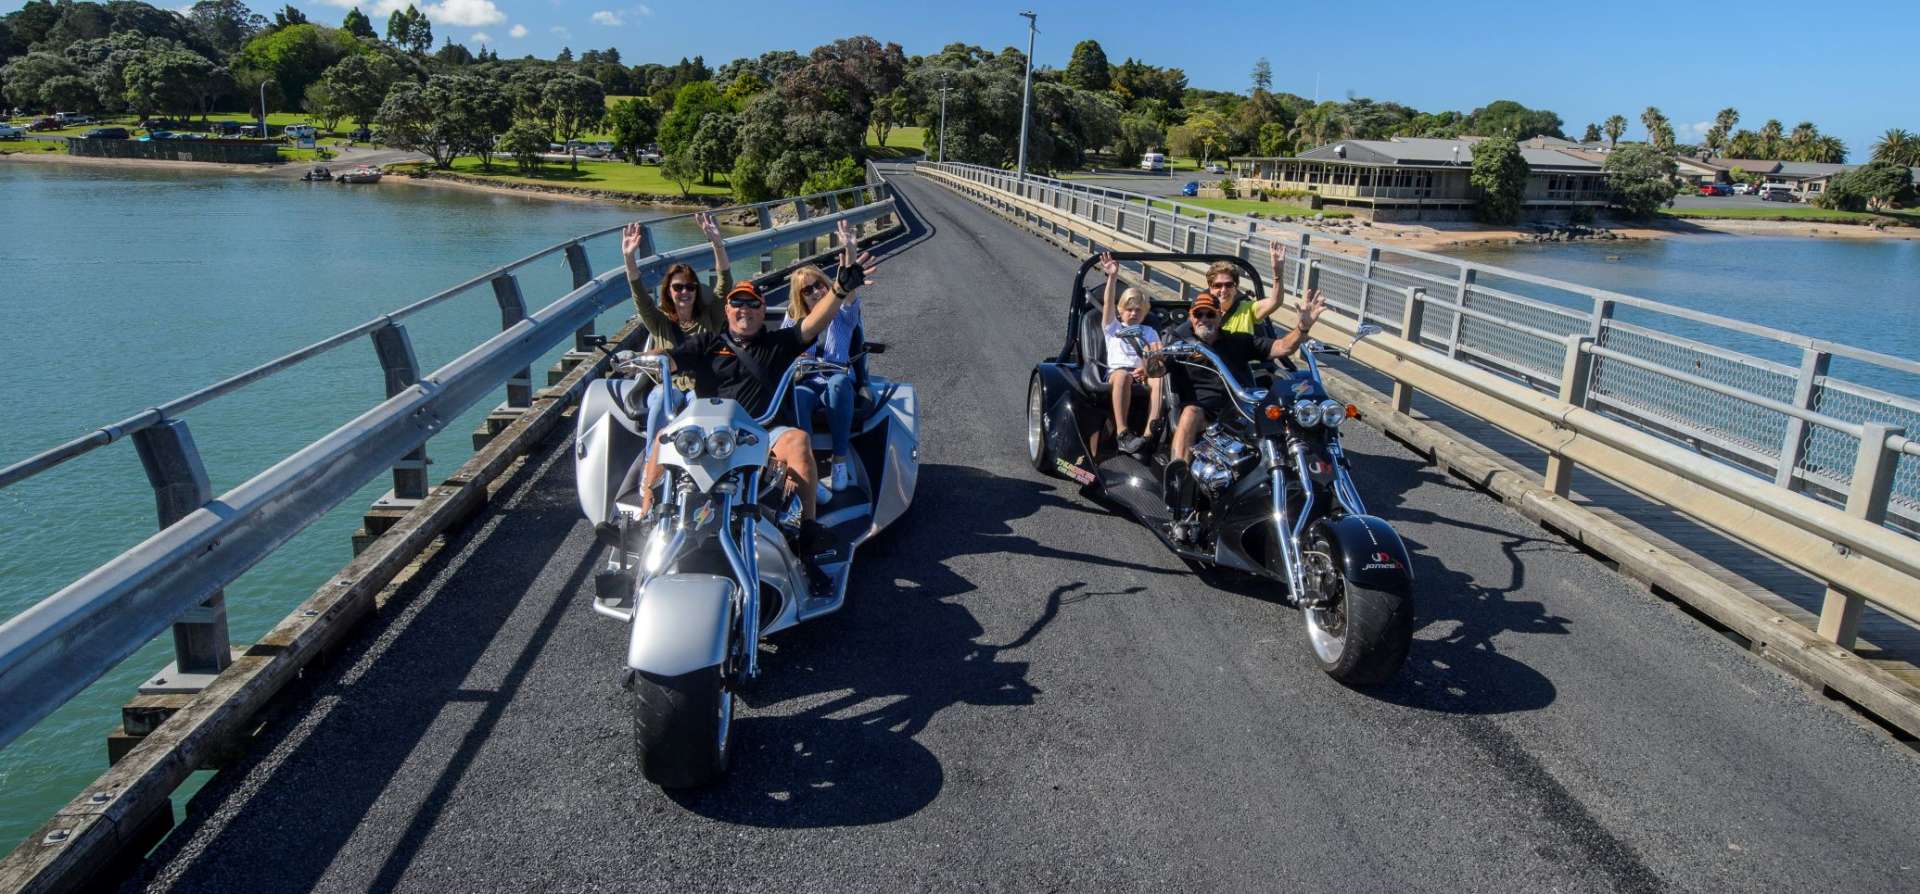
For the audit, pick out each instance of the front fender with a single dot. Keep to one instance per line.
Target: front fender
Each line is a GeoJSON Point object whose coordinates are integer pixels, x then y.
{"type": "Point", "coordinates": [681, 623]}
{"type": "Point", "coordinates": [1369, 552]}
{"type": "Point", "coordinates": [1067, 439]}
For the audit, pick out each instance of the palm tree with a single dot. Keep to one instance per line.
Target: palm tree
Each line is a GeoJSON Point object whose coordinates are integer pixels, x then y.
{"type": "Point", "coordinates": [1800, 141]}
{"type": "Point", "coordinates": [1828, 149]}
{"type": "Point", "coordinates": [1319, 125]}
{"type": "Point", "coordinates": [1614, 126]}
{"type": "Point", "coordinates": [1727, 118]}
{"type": "Point", "coordinates": [1744, 144]}
{"type": "Point", "coordinates": [1898, 146]}
{"type": "Point", "coordinates": [1651, 119]}
{"type": "Point", "coordinates": [1770, 139]}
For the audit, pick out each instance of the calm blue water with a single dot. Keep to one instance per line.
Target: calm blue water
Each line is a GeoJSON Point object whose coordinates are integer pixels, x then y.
{"type": "Point", "coordinates": [1861, 292]}
{"type": "Point", "coordinates": [124, 289]}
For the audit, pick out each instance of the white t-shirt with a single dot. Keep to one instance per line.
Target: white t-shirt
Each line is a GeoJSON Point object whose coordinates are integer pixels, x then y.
{"type": "Point", "coordinates": [1121, 355]}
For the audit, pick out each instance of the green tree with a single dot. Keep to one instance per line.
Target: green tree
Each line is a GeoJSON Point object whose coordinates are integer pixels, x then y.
{"type": "Point", "coordinates": [1874, 186]}
{"type": "Point", "coordinates": [680, 169]}
{"type": "Point", "coordinates": [690, 105]}
{"type": "Point", "coordinates": [1319, 125]}
{"type": "Point", "coordinates": [1899, 147]}
{"type": "Point", "coordinates": [448, 116]}
{"type": "Point", "coordinates": [1615, 126]}
{"type": "Point", "coordinates": [167, 78]}
{"type": "Point", "coordinates": [1274, 141]}
{"type": "Point", "coordinates": [714, 144]}
{"type": "Point", "coordinates": [1088, 68]}
{"type": "Point", "coordinates": [325, 108]}
{"type": "Point", "coordinates": [359, 84]}
{"type": "Point", "coordinates": [526, 141]}
{"type": "Point", "coordinates": [1262, 76]}
{"type": "Point", "coordinates": [573, 103]}
{"type": "Point", "coordinates": [634, 122]}
{"type": "Point", "coordinates": [288, 16]}
{"type": "Point", "coordinates": [1500, 174]}
{"type": "Point", "coordinates": [226, 25]}
{"type": "Point", "coordinates": [1592, 135]}
{"type": "Point", "coordinates": [888, 112]}
{"type": "Point", "coordinates": [409, 29]}
{"type": "Point", "coordinates": [1770, 146]}
{"type": "Point", "coordinates": [841, 174]}
{"type": "Point", "coordinates": [1640, 178]}
{"type": "Point", "coordinates": [1506, 117]}
{"type": "Point", "coordinates": [357, 24]}
{"type": "Point", "coordinates": [293, 57]}
{"type": "Point", "coordinates": [26, 79]}
{"type": "Point", "coordinates": [1136, 136]}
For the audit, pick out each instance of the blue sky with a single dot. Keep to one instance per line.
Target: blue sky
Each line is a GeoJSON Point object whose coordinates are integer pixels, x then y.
{"type": "Point", "coordinates": [1846, 66]}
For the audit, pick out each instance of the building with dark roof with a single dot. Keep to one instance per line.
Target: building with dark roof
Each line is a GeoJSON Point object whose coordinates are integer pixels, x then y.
{"type": "Point", "coordinates": [1417, 178]}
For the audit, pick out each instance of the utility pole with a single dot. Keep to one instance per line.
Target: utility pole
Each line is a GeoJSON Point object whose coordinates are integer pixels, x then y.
{"type": "Point", "coordinates": [263, 108]}
{"type": "Point", "coordinates": [943, 119]}
{"type": "Point", "coordinates": [1026, 95]}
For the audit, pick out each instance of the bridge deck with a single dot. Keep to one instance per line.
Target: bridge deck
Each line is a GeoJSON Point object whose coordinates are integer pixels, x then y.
{"type": "Point", "coordinates": [1027, 692]}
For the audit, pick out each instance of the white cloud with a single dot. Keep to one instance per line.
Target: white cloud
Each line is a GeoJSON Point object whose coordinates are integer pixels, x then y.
{"type": "Point", "coordinates": [468, 13]}
{"type": "Point", "coordinates": [1700, 128]}
{"type": "Point", "coordinates": [480, 37]}
{"type": "Point", "coordinates": [561, 31]}
{"type": "Point", "coordinates": [517, 31]}
{"type": "Point", "coordinates": [609, 19]}
{"type": "Point", "coordinates": [643, 9]}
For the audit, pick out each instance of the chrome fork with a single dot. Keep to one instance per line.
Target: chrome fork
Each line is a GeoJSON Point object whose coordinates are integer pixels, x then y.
{"type": "Point", "coordinates": [745, 573]}
{"type": "Point", "coordinates": [1283, 526]}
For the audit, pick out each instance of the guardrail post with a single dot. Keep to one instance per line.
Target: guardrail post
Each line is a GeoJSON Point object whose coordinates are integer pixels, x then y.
{"type": "Point", "coordinates": [1366, 281]}
{"type": "Point", "coordinates": [1575, 372]}
{"type": "Point", "coordinates": [582, 274]}
{"type": "Point", "coordinates": [766, 223]}
{"type": "Point", "coordinates": [402, 371]}
{"type": "Point", "coordinates": [200, 645]}
{"type": "Point", "coordinates": [1602, 314]}
{"type": "Point", "coordinates": [808, 248]}
{"type": "Point", "coordinates": [513, 309]}
{"type": "Point", "coordinates": [1793, 447]}
{"type": "Point", "coordinates": [1411, 317]}
{"type": "Point", "coordinates": [1459, 300]}
{"type": "Point", "coordinates": [1867, 495]}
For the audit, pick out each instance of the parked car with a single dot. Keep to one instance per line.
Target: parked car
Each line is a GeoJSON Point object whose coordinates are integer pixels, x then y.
{"type": "Point", "coordinates": [300, 131]}
{"type": "Point", "coordinates": [107, 133]}
{"type": "Point", "coordinates": [361, 136]}
{"type": "Point", "coordinates": [1153, 161]}
{"type": "Point", "coordinates": [1714, 189]}
{"type": "Point", "coordinates": [1776, 192]}
{"type": "Point", "coordinates": [9, 132]}
{"type": "Point", "coordinates": [69, 119]}
{"type": "Point", "coordinates": [1741, 189]}
{"type": "Point", "coordinates": [158, 135]}
{"type": "Point", "coordinates": [1216, 168]}
{"type": "Point", "coordinates": [225, 128]}
{"type": "Point", "coordinates": [1191, 189]}
{"type": "Point", "coordinates": [47, 123]}
{"type": "Point", "coordinates": [251, 130]}
{"type": "Point", "coordinates": [649, 157]}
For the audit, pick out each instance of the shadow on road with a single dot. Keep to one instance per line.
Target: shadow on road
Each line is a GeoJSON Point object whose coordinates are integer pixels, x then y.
{"type": "Point", "coordinates": [906, 648]}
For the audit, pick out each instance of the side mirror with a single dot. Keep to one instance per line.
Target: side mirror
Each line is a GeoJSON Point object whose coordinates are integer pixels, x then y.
{"type": "Point", "coordinates": [1133, 337]}
{"type": "Point", "coordinates": [594, 341]}
{"type": "Point", "coordinates": [1364, 330]}
{"type": "Point", "coordinates": [874, 347]}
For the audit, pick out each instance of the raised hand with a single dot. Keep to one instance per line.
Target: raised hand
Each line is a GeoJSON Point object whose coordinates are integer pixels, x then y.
{"type": "Point", "coordinates": [1108, 265]}
{"type": "Point", "coordinates": [632, 238]}
{"type": "Point", "coordinates": [707, 226]}
{"type": "Point", "coordinates": [848, 244]}
{"type": "Point", "coordinates": [1278, 253]}
{"type": "Point", "coordinates": [1311, 307]}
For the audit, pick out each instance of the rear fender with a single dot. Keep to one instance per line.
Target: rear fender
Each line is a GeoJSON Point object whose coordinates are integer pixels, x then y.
{"type": "Point", "coordinates": [1369, 552]}
{"type": "Point", "coordinates": [681, 623]}
{"type": "Point", "coordinates": [1066, 434]}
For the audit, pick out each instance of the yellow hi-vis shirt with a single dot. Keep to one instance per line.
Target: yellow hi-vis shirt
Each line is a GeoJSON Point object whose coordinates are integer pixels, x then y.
{"type": "Point", "coordinates": [1239, 319]}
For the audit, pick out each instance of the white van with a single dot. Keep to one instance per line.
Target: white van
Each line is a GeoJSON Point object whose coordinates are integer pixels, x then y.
{"type": "Point", "coordinates": [301, 131]}
{"type": "Point", "coordinates": [1153, 161]}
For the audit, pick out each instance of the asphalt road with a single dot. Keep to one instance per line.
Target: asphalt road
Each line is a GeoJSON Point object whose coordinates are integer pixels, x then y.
{"type": "Point", "coordinates": [1027, 693]}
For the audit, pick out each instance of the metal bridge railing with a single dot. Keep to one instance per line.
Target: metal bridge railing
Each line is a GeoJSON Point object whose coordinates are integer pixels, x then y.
{"type": "Point", "coordinates": [1776, 410]}
{"type": "Point", "coordinates": [60, 645]}
{"type": "Point", "coordinates": [1695, 426]}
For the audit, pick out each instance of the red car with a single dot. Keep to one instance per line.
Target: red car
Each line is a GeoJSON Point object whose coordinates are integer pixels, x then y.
{"type": "Point", "coordinates": [48, 123]}
{"type": "Point", "coordinates": [1715, 189]}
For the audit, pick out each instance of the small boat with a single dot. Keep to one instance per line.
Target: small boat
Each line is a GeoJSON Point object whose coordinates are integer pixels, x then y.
{"type": "Point", "coordinates": [318, 174]}
{"type": "Point", "coordinates": [359, 175]}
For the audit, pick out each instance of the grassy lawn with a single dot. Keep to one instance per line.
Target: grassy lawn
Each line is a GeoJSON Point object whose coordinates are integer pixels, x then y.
{"type": "Point", "coordinates": [613, 176]}
{"type": "Point", "coordinates": [1253, 206]}
{"type": "Point", "coordinates": [42, 147]}
{"type": "Point", "coordinates": [1797, 213]}
{"type": "Point", "coordinates": [193, 125]}
{"type": "Point", "coordinates": [901, 142]}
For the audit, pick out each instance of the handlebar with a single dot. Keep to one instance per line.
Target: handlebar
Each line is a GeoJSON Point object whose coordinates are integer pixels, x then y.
{"type": "Point", "coordinates": [1192, 352]}
{"type": "Point", "coordinates": [811, 365]}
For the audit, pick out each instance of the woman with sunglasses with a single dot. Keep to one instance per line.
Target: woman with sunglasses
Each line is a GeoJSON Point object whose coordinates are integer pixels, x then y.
{"type": "Point", "coordinates": [806, 288]}
{"type": "Point", "coordinates": [1223, 281]}
{"type": "Point", "coordinates": [685, 306]}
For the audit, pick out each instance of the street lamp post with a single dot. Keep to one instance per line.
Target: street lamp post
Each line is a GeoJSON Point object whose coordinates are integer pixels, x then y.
{"type": "Point", "coordinates": [943, 119]}
{"type": "Point", "coordinates": [1026, 94]}
{"type": "Point", "coordinates": [263, 108]}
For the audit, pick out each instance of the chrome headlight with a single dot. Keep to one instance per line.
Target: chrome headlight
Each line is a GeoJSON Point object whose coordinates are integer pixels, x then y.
{"type": "Point", "coordinates": [1332, 413]}
{"type": "Point", "coordinates": [1306, 413]}
{"type": "Point", "coordinates": [720, 443]}
{"type": "Point", "coordinates": [690, 441]}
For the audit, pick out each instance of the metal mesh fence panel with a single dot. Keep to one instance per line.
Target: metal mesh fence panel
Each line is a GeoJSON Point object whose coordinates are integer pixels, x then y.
{"type": "Point", "coordinates": [1830, 454]}
{"type": "Point", "coordinates": [1521, 351]}
{"type": "Point", "coordinates": [1690, 408]}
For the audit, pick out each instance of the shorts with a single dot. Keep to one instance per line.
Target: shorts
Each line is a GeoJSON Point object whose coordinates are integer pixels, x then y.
{"type": "Point", "coordinates": [1213, 406]}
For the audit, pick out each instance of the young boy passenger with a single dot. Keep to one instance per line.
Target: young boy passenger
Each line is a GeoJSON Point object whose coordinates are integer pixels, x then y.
{"type": "Point", "coordinates": [1124, 365]}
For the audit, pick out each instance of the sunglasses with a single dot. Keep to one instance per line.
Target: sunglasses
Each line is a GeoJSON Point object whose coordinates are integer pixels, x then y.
{"type": "Point", "coordinates": [1205, 315]}
{"type": "Point", "coordinates": [748, 303]}
{"type": "Point", "coordinates": [814, 289]}
{"type": "Point", "coordinates": [684, 287]}
{"type": "Point", "coordinates": [1221, 285]}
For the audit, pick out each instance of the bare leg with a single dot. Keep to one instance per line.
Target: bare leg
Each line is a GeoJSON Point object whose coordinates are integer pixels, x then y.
{"type": "Point", "coordinates": [650, 480]}
{"type": "Point", "coordinates": [1120, 385]}
{"type": "Point", "coordinates": [1192, 420]}
{"type": "Point", "coordinates": [793, 450]}
{"type": "Point", "coordinates": [1154, 392]}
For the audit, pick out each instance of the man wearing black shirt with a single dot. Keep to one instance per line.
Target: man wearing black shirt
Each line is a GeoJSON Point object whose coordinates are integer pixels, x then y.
{"type": "Point", "coordinates": [1203, 397]}
{"type": "Point", "coordinates": [745, 363]}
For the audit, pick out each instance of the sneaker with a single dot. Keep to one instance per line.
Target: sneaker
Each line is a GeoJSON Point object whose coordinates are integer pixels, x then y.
{"type": "Point", "coordinates": [842, 476]}
{"type": "Point", "coordinates": [1131, 442]}
{"type": "Point", "coordinates": [1155, 428]}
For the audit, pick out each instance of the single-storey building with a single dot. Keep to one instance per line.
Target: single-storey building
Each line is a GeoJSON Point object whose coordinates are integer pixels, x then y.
{"type": "Point", "coordinates": [1806, 179]}
{"type": "Point", "coordinates": [1418, 178]}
